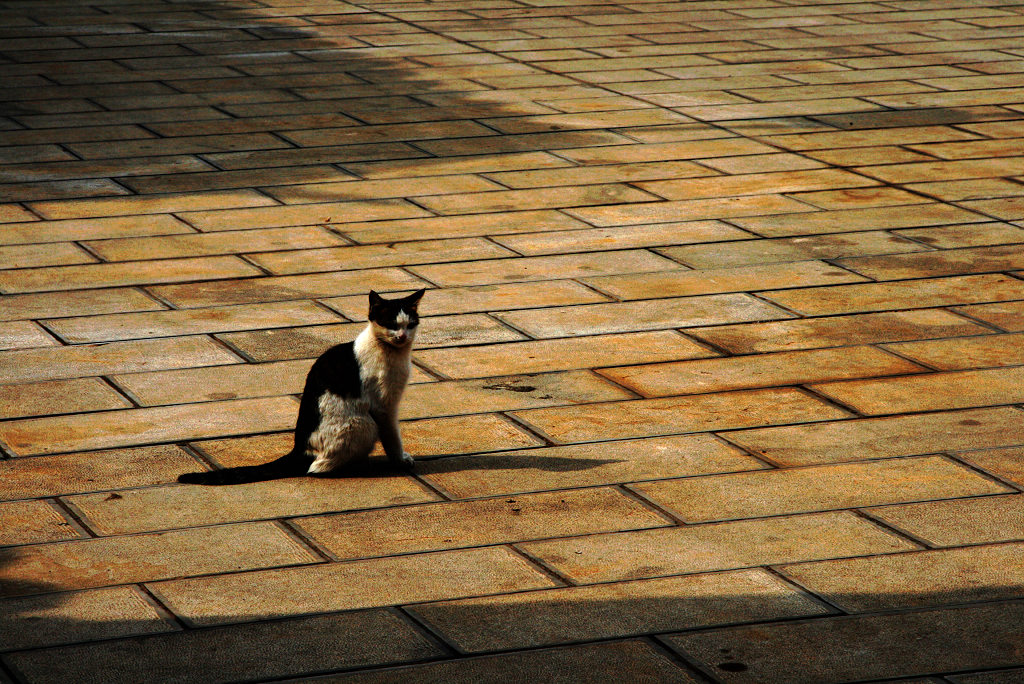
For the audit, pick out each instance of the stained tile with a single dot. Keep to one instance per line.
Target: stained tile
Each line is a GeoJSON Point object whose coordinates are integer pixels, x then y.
{"type": "Point", "coordinates": [902, 644]}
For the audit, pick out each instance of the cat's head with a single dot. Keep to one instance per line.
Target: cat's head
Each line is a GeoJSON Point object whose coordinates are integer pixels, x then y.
{"type": "Point", "coordinates": [395, 321]}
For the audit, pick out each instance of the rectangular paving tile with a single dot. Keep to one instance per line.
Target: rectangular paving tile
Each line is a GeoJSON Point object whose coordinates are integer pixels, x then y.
{"type": "Point", "coordinates": [280, 288]}
{"type": "Point", "coordinates": [370, 256]}
{"type": "Point", "coordinates": [970, 235]}
{"type": "Point", "coordinates": [754, 184]}
{"type": "Point", "coordinates": [901, 645]}
{"type": "Point", "coordinates": [46, 254]}
{"type": "Point", "coordinates": [351, 585]}
{"type": "Point", "coordinates": [499, 223]}
{"type": "Point", "coordinates": [204, 244]}
{"type": "Point", "coordinates": [739, 279]}
{"type": "Point", "coordinates": [478, 298]}
{"type": "Point", "coordinates": [965, 352]}
{"type": "Point", "coordinates": [1003, 463]}
{"type": "Point", "coordinates": [560, 354]}
{"type": "Point", "coordinates": [484, 163]}
{"type": "Point", "coordinates": [45, 620]}
{"type": "Point", "coordinates": [720, 546]}
{"type": "Point", "coordinates": [100, 470]}
{"type": "Point", "coordinates": [190, 321]}
{"type": "Point", "coordinates": [838, 331]}
{"type": "Point", "coordinates": [780, 250]}
{"type": "Point", "coordinates": [155, 204]}
{"type": "Point", "coordinates": [537, 198]}
{"type": "Point", "coordinates": [916, 580]}
{"type": "Point", "coordinates": [301, 215]}
{"type": "Point", "coordinates": [27, 365]}
{"type": "Point", "coordinates": [24, 335]}
{"type": "Point", "coordinates": [58, 396]}
{"type": "Point", "coordinates": [584, 465]}
{"type": "Point", "coordinates": [689, 210]}
{"type": "Point", "coordinates": [913, 294]}
{"type": "Point", "coordinates": [32, 436]}
{"type": "Point", "coordinates": [767, 370]}
{"type": "Point", "coordinates": [553, 616]}
{"type": "Point", "coordinates": [507, 393]}
{"type": "Point", "coordinates": [874, 218]}
{"type": "Point", "coordinates": [938, 263]}
{"type": "Point", "coordinates": [609, 173]}
{"type": "Point", "coordinates": [884, 437]}
{"type": "Point", "coordinates": [63, 566]}
{"type": "Point", "coordinates": [826, 487]}
{"type": "Point", "coordinates": [376, 189]}
{"type": "Point", "coordinates": [414, 529]}
{"type": "Point", "coordinates": [161, 508]}
{"type": "Point", "coordinates": [678, 415]}
{"type": "Point", "coordinates": [75, 303]}
{"type": "Point", "coordinates": [31, 522]}
{"type": "Point", "coordinates": [273, 649]}
{"type": "Point", "coordinates": [685, 150]}
{"type": "Point", "coordinates": [623, 237]}
{"type": "Point", "coordinates": [187, 385]}
{"type": "Point", "coordinates": [959, 521]}
{"type": "Point", "coordinates": [541, 268]}
{"type": "Point", "coordinates": [87, 276]}
{"type": "Point", "coordinates": [943, 390]}
{"type": "Point", "coordinates": [616, 660]}
{"type": "Point", "coordinates": [651, 314]}
{"type": "Point", "coordinates": [1006, 315]}
{"type": "Point", "coordinates": [95, 228]}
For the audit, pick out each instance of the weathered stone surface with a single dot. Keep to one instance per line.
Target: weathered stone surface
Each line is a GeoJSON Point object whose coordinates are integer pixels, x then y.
{"type": "Point", "coordinates": [347, 586]}
{"type": "Point", "coordinates": [552, 616]}
{"type": "Point", "coordinates": [273, 649]}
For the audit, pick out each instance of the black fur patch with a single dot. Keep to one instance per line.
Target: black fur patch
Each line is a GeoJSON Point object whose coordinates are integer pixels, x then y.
{"type": "Point", "coordinates": [385, 312]}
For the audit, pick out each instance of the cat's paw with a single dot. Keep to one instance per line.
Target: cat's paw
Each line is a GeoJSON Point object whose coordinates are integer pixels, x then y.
{"type": "Point", "coordinates": [407, 461]}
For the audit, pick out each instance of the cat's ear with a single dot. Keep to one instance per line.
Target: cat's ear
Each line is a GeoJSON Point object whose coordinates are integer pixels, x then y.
{"type": "Point", "coordinates": [413, 300]}
{"type": "Point", "coordinates": [375, 299]}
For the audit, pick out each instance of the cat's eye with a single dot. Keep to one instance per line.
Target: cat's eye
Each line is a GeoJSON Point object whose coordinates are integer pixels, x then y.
{"type": "Point", "coordinates": [412, 324]}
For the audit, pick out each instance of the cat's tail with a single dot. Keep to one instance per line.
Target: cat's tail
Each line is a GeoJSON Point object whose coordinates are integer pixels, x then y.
{"type": "Point", "coordinates": [289, 465]}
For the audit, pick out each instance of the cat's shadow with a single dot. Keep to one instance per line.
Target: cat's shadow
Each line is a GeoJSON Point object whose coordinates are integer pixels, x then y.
{"type": "Point", "coordinates": [554, 464]}
{"type": "Point", "coordinates": [378, 467]}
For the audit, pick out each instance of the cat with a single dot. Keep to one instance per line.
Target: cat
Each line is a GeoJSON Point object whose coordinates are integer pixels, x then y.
{"type": "Point", "coordinates": [350, 400]}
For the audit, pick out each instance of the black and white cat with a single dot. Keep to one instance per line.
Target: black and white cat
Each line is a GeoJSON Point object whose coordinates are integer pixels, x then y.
{"type": "Point", "coordinates": [349, 402]}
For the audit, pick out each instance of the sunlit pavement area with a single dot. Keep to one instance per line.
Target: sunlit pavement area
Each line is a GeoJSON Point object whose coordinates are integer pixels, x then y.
{"type": "Point", "coordinates": [718, 380]}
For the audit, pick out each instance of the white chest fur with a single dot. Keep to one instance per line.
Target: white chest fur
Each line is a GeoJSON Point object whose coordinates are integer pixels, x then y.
{"type": "Point", "coordinates": [383, 370]}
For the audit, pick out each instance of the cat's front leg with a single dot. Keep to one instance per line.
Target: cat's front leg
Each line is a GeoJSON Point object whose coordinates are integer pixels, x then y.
{"type": "Point", "coordinates": [391, 440]}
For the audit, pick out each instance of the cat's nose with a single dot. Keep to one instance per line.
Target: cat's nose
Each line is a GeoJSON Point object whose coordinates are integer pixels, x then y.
{"type": "Point", "coordinates": [401, 337]}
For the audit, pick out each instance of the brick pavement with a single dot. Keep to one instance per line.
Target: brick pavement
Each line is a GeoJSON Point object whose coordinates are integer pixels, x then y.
{"type": "Point", "coordinates": [719, 380]}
